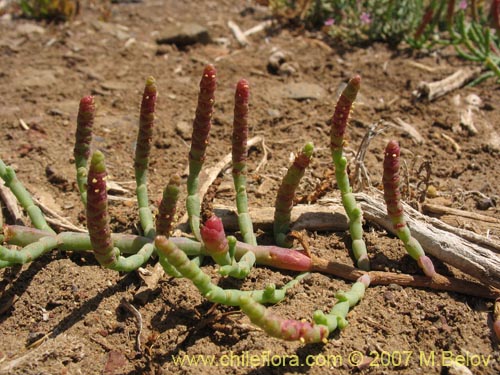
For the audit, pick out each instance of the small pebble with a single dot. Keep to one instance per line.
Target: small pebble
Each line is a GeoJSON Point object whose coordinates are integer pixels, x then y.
{"type": "Point", "coordinates": [484, 204]}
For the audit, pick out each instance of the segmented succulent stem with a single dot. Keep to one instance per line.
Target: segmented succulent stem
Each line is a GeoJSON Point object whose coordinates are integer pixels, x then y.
{"type": "Point", "coordinates": [336, 318]}
{"type": "Point", "coordinates": [22, 195]}
{"type": "Point", "coordinates": [142, 151]}
{"type": "Point", "coordinates": [306, 332]}
{"type": "Point", "coordinates": [101, 239]}
{"type": "Point", "coordinates": [272, 256]}
{"type": "Point", "coordinates": [97, 213]}
{"type": "Point", "coordinates": [30, 252]}
{"type": "Point", "coordinates": [215, 241]}
{"type": "Point", "coordinates": [392, 196]}
{"type": "Point", "coordinates": [285, 329]}
{"type": "Point", "coordinates": [286, 193]}
{"type": "Point", "coordinates": [230, 297]}
{"type": "Point", "coordinates": [168, 207]}
{"type": "Point", "coordinates": [199, 141]}
{"type": "Point", "coordinates": [353, 211]}
{"type": "Point", "coordinates": [83, 139]}
{"type": "Point", "coordinates": [238, 269]}
{"type": "Point", "coordinates": [239, 157]}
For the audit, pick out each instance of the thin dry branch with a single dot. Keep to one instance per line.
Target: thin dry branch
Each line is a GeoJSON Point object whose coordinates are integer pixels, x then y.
{"type": "Point", "coordinates": [238, 34]}
{"type": "Point", "coordinates": [434, 90]}
{"type": "Point", "coordinates": [11, 203]}
{"type": "Point", "coordinates": [438, 282]}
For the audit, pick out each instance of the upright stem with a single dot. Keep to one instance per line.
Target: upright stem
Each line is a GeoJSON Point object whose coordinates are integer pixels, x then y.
{"type": "Point", "coordinates": [97, 213]}
{"type": "Point", "coordinates": [395, 211]}
{"type": "Point", "coordinates": [168, 207]}
{"type": "Point", "coordinates": [98, 223]}
{"type": "Point", "coordinates": [353, 211]}
{"type": "Point", "coordinates": [142, 151]}
{"type": "Point", "coordinates": [83, 139]}
{"type": "Point", "coordinates": [286, 193]}
{"type": "Point", "coordinates": [201, 128]}
{"type": "Point", "coordinates": [239, 156]}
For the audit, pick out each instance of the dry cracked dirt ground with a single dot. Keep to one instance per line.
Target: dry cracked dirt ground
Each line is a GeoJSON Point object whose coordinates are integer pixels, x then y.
{"type": "Point", "coordinates": [71, 308]}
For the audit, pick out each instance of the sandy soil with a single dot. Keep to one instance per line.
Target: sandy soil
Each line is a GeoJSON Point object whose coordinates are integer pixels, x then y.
{"type": "Point", "coordinates": [45, 70]}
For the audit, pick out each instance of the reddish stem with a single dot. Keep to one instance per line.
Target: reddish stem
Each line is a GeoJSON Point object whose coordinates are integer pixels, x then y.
{"type": "Point", "coordinates": [240, 125]}
{"type": "Point", "coordinates": [202, 122]}
{"type": "Point", "coordinates": [85, 122]}
{"type": "Point", "coordinates": [342, 111]}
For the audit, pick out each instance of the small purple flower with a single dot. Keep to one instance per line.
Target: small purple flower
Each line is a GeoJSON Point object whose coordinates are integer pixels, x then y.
{"type": "Point", "coordinates": [365, 18]}
{"type": "Point", "coordinates": [462, 5]}
{"type": "Point", "coordinates": [329, 22]}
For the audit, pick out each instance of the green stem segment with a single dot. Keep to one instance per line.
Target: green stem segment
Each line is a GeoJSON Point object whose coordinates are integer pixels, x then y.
{"type": "Point", "coordinates": [30, 252]}
{"type": "Point", "coordinates": [238, 269]}
{"type": "Point", "coordinates": [201, 128]}
{"type": "Point", "coordinates": [395, 210]}
{"type": "Point", "coordinates": [168, 207]}
{"type": "Point", "coordinates": [8, 175]}
{"type": "Point", "coordinates": [286, 193]}
{"type": "Point", "coordinates": [306, 332]}
{"type": "Point", "coordinates": [353, 211]}
{"type": "Point", "coordinates": [142, 151]}
{"type": "Point", "coordinates": [271, 256]}
{"type": "Point", "coordinates": [239, 156]}
{"type": "Point", "coordinates": [230, 297]}
{"type": "Point", "coordinates": [83, 139]}
{"type": "Point", "coordinates": [98, 223]}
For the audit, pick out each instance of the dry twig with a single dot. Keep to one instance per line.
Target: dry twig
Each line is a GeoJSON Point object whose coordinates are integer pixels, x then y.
{"type": "Point", "coordinates": [434, 90]}
{"type": "Point", "coordinates": [137, 315]}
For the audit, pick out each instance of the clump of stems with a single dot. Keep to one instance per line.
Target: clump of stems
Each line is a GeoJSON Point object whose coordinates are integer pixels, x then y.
{"type": "Point", "coordinates": [222, 249]}
{"type": "Point", "coordinates": [231, 297]}
{"type": "Point", "coordinates": [395, 210]}
{"type": "Point", "coordinates": [353, 211]}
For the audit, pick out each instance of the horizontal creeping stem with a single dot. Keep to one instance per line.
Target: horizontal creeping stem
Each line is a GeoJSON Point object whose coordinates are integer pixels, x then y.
{"type": "Point", "coordinates": [392, 197]}
{"type": "Point", "coordinates": [29, 252]}
{"type": "Point", "coordinates": [190, 270]}
{"type": "Point", "coordinates": [306, 332]}
{"type": "Point", "coordinates": [272, 256]}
